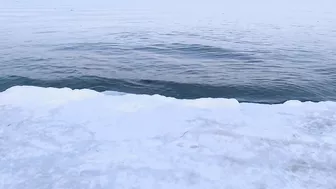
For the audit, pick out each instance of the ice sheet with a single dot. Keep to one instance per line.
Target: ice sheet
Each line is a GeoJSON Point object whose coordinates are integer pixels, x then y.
{"type": "Point", "coordinates": [63, 138]}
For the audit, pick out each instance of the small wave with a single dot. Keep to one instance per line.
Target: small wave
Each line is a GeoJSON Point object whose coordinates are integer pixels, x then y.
{"type": "Point", "coordinates": [198, 51]}
{"type": "Point", "coordinates": [243, 93]}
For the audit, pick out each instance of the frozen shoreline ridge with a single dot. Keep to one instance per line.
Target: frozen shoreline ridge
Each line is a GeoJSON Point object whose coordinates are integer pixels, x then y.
{"type": "Point", "coordinates": [62, 138]}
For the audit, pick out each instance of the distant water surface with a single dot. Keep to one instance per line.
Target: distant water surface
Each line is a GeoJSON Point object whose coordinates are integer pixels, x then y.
{"type": "Point", "coordinates": [254, 53]}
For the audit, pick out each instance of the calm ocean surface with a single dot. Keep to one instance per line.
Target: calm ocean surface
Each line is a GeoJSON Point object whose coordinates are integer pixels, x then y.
{"type": "Point", "coordinates": [266, 53]}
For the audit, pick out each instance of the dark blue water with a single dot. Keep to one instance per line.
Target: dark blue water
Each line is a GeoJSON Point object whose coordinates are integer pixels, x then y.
{"type": "Point", "coordinates": [220, 53]}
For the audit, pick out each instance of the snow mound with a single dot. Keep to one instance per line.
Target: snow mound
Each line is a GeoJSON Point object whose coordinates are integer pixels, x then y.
{"type": "Point", "coordinates": [63, 138]}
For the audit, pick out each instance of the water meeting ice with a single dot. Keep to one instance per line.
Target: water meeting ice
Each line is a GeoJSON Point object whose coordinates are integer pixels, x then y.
{"type": "Point", "coordinates": [63, 138]}
{"type": "Point", "coordinates": [253, 51]}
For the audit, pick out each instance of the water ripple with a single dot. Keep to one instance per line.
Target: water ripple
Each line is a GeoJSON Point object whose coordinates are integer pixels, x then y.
{"type": "Point", "coordinates": [175, 53]}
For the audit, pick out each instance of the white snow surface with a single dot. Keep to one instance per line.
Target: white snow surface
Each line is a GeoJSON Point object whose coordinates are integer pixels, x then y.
{"type": "Point", "coordinates": [62, 138]}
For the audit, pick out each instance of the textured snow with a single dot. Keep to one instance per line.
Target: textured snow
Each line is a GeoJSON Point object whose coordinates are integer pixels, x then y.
{"type": "Point", "coordinates": [62, 138]}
